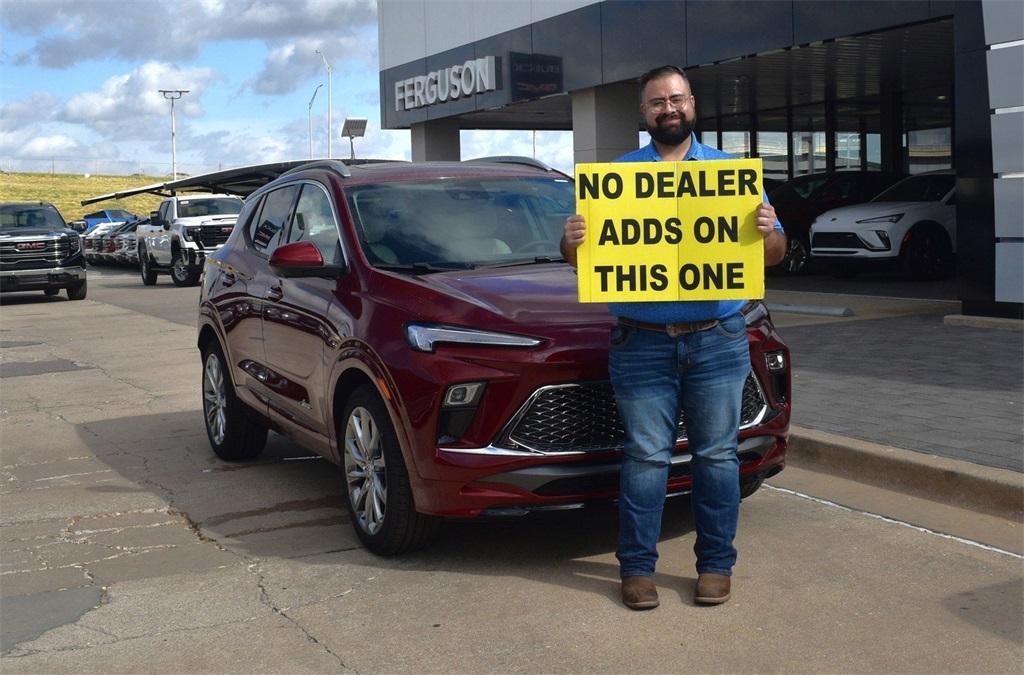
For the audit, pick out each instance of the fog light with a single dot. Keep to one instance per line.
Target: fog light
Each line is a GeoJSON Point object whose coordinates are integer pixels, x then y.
{"type": "Point", "coordinates": [776, 361]}
{"type": "Point", "coordinates": [461, 395]}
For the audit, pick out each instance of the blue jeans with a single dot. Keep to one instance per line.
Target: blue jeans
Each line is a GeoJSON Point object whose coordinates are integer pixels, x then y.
{"type": "Point", "coordinates": [654, 375]}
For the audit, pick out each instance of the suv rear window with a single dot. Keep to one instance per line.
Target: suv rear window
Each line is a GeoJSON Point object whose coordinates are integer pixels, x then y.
{"type": "Point", "coordinates": [191, 208]}
{"type": "Point", "coordinates": [453, 223]}
{"type": "Point", "coordinates": [13, 216]}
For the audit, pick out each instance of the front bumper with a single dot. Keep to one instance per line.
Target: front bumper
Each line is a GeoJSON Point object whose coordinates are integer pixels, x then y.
{"type": "Point", "coordinates": [41, 279]}
{"type": "Point", "coordinates": [565, 483]}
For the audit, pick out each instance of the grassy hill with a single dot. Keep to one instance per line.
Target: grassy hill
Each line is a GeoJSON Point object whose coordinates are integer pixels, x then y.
{"type": "Point", "coordinates": [66, 191]}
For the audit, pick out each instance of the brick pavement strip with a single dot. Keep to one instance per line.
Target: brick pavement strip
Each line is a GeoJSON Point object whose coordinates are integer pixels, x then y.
{"type": "Point", "coordinates": [877, 379]}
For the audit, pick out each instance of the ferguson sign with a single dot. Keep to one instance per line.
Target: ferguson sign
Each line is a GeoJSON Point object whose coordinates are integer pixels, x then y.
{"type": "Point", "coordinates": [448, 84]}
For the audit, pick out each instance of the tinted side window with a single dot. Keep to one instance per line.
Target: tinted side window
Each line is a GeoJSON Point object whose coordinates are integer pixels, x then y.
{"type": "Point", "coordinates": [273, 219]}
{"type": "Point", "coordinates": [314, 221]}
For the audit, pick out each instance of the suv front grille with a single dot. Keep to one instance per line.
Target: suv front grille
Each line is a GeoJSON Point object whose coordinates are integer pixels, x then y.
{"type": "Point", "coordinates": [211, 236]}
{"type": "Point", "coordinates": [16, 255]}
{"type": "Point", "coordinates": [836, 240]}
{"type": "Point", "coordinates": [584, 418]}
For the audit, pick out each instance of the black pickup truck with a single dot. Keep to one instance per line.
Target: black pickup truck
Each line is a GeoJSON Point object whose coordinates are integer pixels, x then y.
{"type": "Point", "coordinates": [39, 252]}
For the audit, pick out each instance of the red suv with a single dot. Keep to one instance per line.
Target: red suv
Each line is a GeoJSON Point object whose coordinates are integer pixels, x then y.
{"type": "Point", "coordinates": [414, 324]}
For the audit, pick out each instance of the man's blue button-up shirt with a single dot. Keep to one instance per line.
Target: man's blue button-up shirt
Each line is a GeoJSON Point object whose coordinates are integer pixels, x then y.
{"type": "Point", "coordinates": [678, 310]}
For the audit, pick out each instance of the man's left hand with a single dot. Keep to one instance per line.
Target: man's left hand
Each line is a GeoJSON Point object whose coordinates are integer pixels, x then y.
{"type": "Point", "coordinates": [766, 219]}
{"type": "Point", "coordinates": [774, 245]}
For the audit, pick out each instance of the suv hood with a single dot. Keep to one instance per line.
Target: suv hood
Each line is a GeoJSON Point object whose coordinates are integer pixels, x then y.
{"type": "Point", "coordinates": [543, 293]}
{"type": "Point", "coordinates": [34, 232]}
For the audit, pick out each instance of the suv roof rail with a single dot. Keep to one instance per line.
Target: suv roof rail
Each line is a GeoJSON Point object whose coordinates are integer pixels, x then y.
{"type": "Point", "coordinates": [333, 164]}
{"type": "Point", "coordinates": [512, 159]}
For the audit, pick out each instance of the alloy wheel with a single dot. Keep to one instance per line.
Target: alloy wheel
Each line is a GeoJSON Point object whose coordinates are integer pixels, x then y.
{"type": "Point", "coordinates": [796, 256]}
{"type": "Point", "coordinates": [180, 268]}
{"type": "Point", "coordinates": [365, 469]}
{"type": "Point", "coordinates": [215, 399]}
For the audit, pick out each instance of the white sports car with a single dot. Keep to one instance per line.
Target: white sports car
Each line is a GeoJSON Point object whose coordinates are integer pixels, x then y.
{"type": "Point", "coordinates": [913, 223]}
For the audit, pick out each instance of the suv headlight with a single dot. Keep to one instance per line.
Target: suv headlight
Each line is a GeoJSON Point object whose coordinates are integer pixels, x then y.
{"type": "Point", "coordinates": [189, 233]}
{"type": "Point", "coordinates": [893, 218]}
{"type": "Point", "coordinates": [423, 337]}
{"type": "Point", "coordinates": [74, 243]}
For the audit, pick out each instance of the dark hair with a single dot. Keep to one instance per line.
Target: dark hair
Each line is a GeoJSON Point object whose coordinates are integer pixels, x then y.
{"type": "Point", "coordinates": [661, 71]}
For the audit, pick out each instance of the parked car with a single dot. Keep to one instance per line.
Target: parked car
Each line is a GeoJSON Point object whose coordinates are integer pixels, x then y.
{"type": "Point", "coordinates": [126, 243]}
{"type": "Point", "coordinates": [912, 224]}
{"type": "Point", "coordinates": [38, 252]}
{"type": "Point", "coordinates": [106, 216]}
{"type": "Point", "coordinates": [92, 243]}
{"type": "Point", "coordinates": [182, 232]}
{"type": "Point", "coordinates": [106, 243]}
{"type": "Point", "coordinates": [799, 201]}
{"type": "Point", "coordinates": [415, 324]}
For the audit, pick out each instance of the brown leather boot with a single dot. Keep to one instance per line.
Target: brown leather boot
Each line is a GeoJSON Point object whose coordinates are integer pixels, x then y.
{"type": "Point", "coordinates": [712, 589]}
{"type": "Point", "coordinates": [639, 593]}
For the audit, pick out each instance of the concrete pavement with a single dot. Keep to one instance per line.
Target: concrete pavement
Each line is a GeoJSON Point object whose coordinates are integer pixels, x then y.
{"type": "Point", "coordinates": [126, 546]}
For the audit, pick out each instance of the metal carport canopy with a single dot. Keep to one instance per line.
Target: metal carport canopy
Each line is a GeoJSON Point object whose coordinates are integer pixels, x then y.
{"type": "Point", "coordinates": [241, 181]}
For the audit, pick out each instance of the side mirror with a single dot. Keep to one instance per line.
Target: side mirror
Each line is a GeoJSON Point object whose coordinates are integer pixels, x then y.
{"type": "Point", "coordinates": [303, 259]}
{"type": "Point", "coordinates": [154, 218]}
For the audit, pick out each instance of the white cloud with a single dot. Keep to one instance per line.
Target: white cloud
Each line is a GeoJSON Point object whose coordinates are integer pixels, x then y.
{"type": "Point", "coordinates": [129, 104]}
{"type": "Point", "coordinates": [69, 31]}
{"type": "Point", "coordinates": [38, 107]}
{"type": "Point", "coordinates": [58, 145]}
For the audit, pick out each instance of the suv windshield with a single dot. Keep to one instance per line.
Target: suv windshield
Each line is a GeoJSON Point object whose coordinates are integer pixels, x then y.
{"type": "Point", "coordinates": [22, 216]}
{"type": "Point", "coordinates": [465, 222]}
{"type": "Point", "coordinates": [217, 206]}
{"type": "Point", "coordinates": [923, 188]}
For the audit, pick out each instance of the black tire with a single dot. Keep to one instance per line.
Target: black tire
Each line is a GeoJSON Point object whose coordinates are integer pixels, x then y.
{"type": "Point", "coordinates": [380, 499]}
{"type": "Point", "coordinates": [145, 268]}
{"type": "Point", "coordinates": [235, 434]}
{"type": "Point", "coordinates": [79, 291]}
{"type": "Point", "coordinates": [798, 254]}
{"type": "Point", "coordinates": [927, 254]}
{"type": "Point", "coordinates": [749, 485]}
{"type": "Point", "coordinates": [50, 292]}
{"type": "Point", "coordinates": [182, 273]}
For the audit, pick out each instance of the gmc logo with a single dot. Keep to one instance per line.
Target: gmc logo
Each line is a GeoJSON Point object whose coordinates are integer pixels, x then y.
{"type": "Point", "coordinates": [31, 245]}
{"type": "Point", "coordinates": [225, 230]}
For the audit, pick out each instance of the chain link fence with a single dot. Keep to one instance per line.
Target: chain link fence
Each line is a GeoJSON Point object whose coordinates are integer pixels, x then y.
{"type": "Point", "coordinates": [100, 167]}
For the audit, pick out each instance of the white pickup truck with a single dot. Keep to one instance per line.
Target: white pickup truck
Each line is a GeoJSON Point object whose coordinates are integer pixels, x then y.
{"type": "Point", "coordinates": [182, 232]}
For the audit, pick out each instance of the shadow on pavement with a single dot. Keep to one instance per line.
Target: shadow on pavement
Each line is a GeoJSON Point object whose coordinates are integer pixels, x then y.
{"type": "Point", "coordinates": [290, 505]}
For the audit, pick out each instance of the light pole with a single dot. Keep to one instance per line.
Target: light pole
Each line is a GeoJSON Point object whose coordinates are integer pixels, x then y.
{"type": "Point", "coordinates": [329, 101]}
{"type": "Point", "coordinates": [311, 99]}
{"type": "Point", "coordinates": [173, 95]}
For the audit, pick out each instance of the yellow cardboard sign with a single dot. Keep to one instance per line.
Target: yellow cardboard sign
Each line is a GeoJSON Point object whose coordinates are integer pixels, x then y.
{"type": "Point", "coordinates": [670, 231]}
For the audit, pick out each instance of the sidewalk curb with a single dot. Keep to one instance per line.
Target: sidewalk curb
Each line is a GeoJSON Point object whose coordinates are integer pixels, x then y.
{"type": "Point", "coordinates": [998, 492]}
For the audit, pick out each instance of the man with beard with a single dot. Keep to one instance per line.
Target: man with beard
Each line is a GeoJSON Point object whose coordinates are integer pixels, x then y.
{"type": "Point", "coordinates": [667, 356]}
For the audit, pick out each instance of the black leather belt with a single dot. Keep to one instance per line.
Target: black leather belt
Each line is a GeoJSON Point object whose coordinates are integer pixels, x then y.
{"type": "Point", "coordinates": [673, 329]}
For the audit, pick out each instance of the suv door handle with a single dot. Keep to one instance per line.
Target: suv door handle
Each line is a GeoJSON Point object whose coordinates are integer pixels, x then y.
{"type": "Point", "coordinates": [228, 279]}
{"type": "Point", "coordinates": [275, 293]}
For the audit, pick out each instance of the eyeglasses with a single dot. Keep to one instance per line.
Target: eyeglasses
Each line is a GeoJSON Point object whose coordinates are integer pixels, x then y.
{"type": "Point", "coordinates": [678, 101]}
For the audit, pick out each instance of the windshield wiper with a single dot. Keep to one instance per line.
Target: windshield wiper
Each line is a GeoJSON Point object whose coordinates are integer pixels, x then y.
{"type": "Point", "coordinates": [426, 268]}
{"type": "Point", "coordinates": [541, 259]}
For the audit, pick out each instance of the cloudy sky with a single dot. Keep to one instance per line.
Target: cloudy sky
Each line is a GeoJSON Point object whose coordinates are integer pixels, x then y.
{"type": "Point", "coordinates": [79, 81]}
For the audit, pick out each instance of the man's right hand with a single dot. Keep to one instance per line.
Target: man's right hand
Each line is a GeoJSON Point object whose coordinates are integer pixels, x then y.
{"type": "Point", "coordinates": [572, 238]}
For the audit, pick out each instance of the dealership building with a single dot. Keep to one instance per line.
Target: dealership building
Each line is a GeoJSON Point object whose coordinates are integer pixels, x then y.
{"type": "Point", "coordinates": [900, 86]}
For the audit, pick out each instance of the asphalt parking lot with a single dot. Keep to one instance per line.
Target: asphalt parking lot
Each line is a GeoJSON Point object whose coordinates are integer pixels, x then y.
{"type": "Point", "coordinates": [127, 546]}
